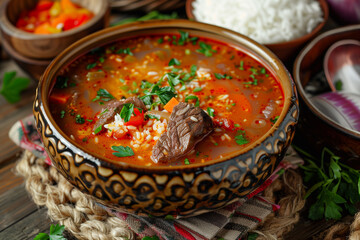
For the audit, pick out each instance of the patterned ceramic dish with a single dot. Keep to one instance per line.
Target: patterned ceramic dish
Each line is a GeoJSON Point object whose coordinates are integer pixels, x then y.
{"type": "Point", "coordinates": [181, 191]}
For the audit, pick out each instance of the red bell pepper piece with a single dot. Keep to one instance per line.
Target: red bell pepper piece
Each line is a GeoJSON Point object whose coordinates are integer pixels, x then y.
{"type": "Point", "coordinates": [136, 119]}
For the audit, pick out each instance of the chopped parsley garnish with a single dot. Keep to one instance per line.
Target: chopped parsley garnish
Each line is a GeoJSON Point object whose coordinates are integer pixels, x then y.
{"type": "Point", "coordinates": [122, 151]}
{"type": "Point", "coordinates": [197, 89]}
{"type": "Point", "coordinates": [102, 59]}
{"type": "Point", "coordinates": [150, 116]}
{"type": "Point", "coordinates": [104, 95]}
{"type": "Point", "coordinates": [89, 120]}
{"type": "Point", "coordinates": [164, 93]}
{"type": "Point", "coordinates": [91, 65]}
{"type": "Point", "coordinates": [98, 129]}
{"type": "Point", "coordinates": [61, 82]}
{"type": "Point", "coordinates": [126, 111]}
{"type": "Point", "coordinates": [56, 232]}
{"type": "Point", "coordinates": [106, 110]}
{"type": "Point", "coordinates": [192, 97]}
{"type": "Point", "coordinates": [240, 138]}
{"type": "Point", "coordinates": [241, 67]}
{"type": "Point", "coordinates": [121, 80]}
{"type": "Point", "coordinates": [193, 70]}
{"type": "Point", "coordinates": [254, 82]}
{"type": "Point", "coordinates": [187, 51]}
{"type": "Point", "coordinates": [222, 76]}
{"type": "Point", "coordinates": [274, 119]}
{"type": "Point", "coordinates": [174, 61]}
{"type": "Point", "coordinates": [62, 114]}
{"type": "Point", "coordinates": [183, 88]}
{"type": "Point", "coordinates": [79, 119]}
{"type": "Point", "coordinates": [205, 49]}
{"type": "Point", "coordinates": [263, 71]}
{"type": "Point", "coordinates": [338, 85]}
{"type": "Point", "coordinates": [197, 153]}
{"type": "Point", "coordinates": [184, 36]}
{"type": "Point", "coordinates": [186, 161]}
{"type": "Point", "coordinates": [210, 111]}
{"type": "Point", "coordinates": [85, 139]}
{"type": "Point", "coordinates": [236, 125]}
{"type": "Point", "coordinates": [150, 238]}
{"type": "Point", "coordinates": [125, 51]}
{"type": "Point", "coordinates": [160, 40]}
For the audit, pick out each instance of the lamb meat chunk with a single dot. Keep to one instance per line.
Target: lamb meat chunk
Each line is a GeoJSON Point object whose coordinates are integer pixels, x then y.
{"type": "Point", "coordinates": [115, 106]}
{"type": "Point", "coordinates": [188, 125]}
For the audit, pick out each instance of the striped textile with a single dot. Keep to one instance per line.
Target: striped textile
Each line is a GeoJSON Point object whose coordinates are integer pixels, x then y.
{"type": "Point", "coordinates": [229, 223]}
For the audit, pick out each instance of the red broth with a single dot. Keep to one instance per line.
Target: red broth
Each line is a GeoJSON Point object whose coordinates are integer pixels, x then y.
{"type": "Point", "coordinates": [243, 98]}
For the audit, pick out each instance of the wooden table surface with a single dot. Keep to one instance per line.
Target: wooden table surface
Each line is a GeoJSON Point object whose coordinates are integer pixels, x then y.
{"type": "Point", "coordinates": [20, 218]}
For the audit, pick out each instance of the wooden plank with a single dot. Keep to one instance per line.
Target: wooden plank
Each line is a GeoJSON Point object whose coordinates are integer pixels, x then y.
{"type": "Point", "coordinates": [15, 204]}
{"type": "Point", "coordinates": [29, 226]}
{"type": "Point", "coordinates": [10, 113]}
{"type": "Point", "coordinates": [8, 179]}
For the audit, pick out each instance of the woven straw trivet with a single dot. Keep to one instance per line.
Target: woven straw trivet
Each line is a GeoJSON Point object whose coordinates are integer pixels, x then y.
{"type": "Point", "coordinates": [86, 220]}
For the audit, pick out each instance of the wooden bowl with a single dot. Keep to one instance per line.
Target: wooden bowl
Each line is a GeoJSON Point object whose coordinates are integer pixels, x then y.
{"type": "Point", "coordinates": [146, 5]}
{"type": "Point", "coordinates": [34, 67]}
{"type": "Point", "coordinates": [47, 46]}
{"type": "Point", "coordinates": [180, 190]}
{"type": "Point", "coordinates": [316, 130]}
{"type": "Point", "coordinates": [288, 50]}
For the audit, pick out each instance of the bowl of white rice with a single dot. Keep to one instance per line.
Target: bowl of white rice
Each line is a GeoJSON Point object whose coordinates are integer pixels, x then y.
{"type": "Point", "coordinates": [284, 26]}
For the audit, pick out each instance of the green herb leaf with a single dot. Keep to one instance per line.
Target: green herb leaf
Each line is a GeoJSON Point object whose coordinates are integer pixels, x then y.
{"type": "Point", "coordinates": [56, 232]}
{"type": "Point", "coordinates": [192, 97]}
{"type": "Point", "coordinates": [222, 76]}
{"type": "Point", "coordinates": [79, 119]}
{"type": "Point", "coordinates": [205, 49]}
{"type": "Point", "coordinates": [145, 84]}
{"type": "Point", "coordinates": [240, 138]}
{"type": "Point", "coordinates": [274, 119]}
{"type": "Point", "coordinates": [12, 86]}
{"type": "Point", "coordinates": [104, 95]}
{"type": "Point", "coordinates": [197, 89]}
{"type": "Point", "coordinates": [125, 51]}
{"type": "Point", "coordinates": [241, 67]}
{"type": "Point", "coordinates": [338, 85]}
{"type": "Point", "coordinates": [98, 129]}
{"type": "Point", "coordinates": [174, 61]}
{"type": "Point", "coordinates": [91, 65]}
{"type": "Point", "coordinates": [210, 111]}
{"type": "Point", "coordinates": [122, 151]}
{"type": "Point", "coordinates": [126, 111]}
{"type": "Point", "coordinates": [252, 236]}
{"type": "Point", "coordinates": [186, 161]}
{"type": "Point", "coordinates": [151, 116]}
{"type": "Point", "coordinates": [62, 114]}
{"type": "Point", "coordinates": [150, 238]}
{"type": "Point", "coordinates": [193, 70]}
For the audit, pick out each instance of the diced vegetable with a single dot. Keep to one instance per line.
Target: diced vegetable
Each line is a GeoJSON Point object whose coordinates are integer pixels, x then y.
{"type": "Point", "coordinates": [171, 104]}
{"type": "Point", "coordinates": [59, 97]}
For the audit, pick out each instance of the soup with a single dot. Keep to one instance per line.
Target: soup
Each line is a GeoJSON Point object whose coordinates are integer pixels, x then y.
{"type": "Point", "coordinates": [113, 100]}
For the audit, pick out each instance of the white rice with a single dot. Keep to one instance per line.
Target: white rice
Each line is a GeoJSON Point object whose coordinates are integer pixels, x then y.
{"type": "Point", "coordinates": [266, 21]}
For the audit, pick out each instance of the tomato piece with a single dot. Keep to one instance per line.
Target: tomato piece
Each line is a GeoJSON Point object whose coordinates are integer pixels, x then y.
{"type": "Point", "coordinates": [136, 119]}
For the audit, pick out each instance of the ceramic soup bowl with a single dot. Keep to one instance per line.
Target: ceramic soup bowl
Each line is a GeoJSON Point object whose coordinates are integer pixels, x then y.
{"type": "Point", "coordinates": [181, 191]}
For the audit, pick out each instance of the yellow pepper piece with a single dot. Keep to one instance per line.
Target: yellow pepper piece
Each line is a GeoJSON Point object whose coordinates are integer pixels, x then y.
{"type": "Point", "coordinates": [55, 9]}
{"type": "Point", "coordinates": [67, 5]}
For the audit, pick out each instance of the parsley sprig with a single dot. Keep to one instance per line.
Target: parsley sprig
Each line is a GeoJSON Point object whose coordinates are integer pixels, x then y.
{"type": "Point", "coordinates": [122, 151]}
{"type": "Point", "coordinates": [12, 86]}
{"type": "Point", "coordinates": [334, 185]}
{"type": "Point", "coordinates": [56, 232]}
{"type": "Point", "coordinates": [206, 49]}
{"type": "Point", "coordinates": [103, 95]}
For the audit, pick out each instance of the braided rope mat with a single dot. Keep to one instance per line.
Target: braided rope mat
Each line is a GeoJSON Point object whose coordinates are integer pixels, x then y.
{"type": "Point", "coordinates": [86, 220]}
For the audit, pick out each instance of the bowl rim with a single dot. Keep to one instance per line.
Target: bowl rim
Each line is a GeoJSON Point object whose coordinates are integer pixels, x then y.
{"type": "Point", "coordinates": [113, 33]}
{"type": "Point", "coordinates": [328, 54]}
{"type": "Point", "coordinates": [323, 5]}
{"type": "Point", "coordinates": [12, 30]}
{"type": "Point", "coordinates": [300, 89]}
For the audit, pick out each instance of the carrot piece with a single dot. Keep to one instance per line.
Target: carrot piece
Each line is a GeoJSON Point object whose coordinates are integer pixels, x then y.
{"type": "Point", "coordinates": [59, 97]}
{"type": "Point", "coordinates": [171, 104]}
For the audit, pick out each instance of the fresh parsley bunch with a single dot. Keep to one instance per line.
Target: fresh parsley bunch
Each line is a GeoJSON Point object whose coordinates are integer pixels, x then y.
{"type": "Point", "coordinates": [12, 86]}
{"type": "Point", "coordinates": [56, 232]}
{"type": "Point", "coordinates": [335, 185]}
